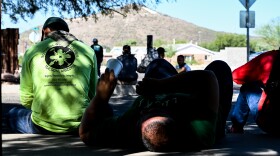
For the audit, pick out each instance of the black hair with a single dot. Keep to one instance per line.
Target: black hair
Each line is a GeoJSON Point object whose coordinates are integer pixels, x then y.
{"type": "Point", "coordinates": [58, 26]}
{"type": "Point", "coordinates": [182, 56]}
{"type": "Point", "coordinates": [128, 49]}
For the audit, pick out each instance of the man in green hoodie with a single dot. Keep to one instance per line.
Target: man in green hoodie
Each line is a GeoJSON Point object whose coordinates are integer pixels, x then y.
{"type": "Point", "coordinates": [57, 82]}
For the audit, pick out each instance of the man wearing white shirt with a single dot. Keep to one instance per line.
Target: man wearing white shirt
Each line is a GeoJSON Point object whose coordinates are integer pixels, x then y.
{"type": "Point", "coordinates": [182, 66]}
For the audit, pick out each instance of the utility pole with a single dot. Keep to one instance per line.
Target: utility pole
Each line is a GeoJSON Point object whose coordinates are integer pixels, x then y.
{"type": "Point", "coordinates": [247, 20]}
{"type": "Point", "coordinates": [247, 27]}
{"type": "Point", "coordinates": [149, 43]}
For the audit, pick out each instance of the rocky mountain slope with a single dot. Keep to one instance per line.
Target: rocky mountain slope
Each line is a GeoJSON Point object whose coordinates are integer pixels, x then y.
{"type": "Point", "coordinates": [115, 30]}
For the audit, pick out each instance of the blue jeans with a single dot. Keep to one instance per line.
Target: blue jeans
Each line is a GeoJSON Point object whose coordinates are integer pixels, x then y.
{"type": "Point", "coordinates": [19, 120]}
{"type": "Point", "coordinates": [247, 102]}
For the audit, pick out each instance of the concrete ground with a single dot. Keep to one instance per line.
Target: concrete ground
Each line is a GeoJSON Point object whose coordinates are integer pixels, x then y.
{"type": "Point", "coordinates": [252, 142]}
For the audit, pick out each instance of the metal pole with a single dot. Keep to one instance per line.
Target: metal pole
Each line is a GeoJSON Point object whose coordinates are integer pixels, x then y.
{"type": "Point", "coordinates": [149, 43]}
{"type": "Point", "coordinates": [247, 25]}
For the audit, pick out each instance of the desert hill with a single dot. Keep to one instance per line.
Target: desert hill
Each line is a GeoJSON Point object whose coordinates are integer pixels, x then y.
{"type": "Point", "coordinates": [115, 30]}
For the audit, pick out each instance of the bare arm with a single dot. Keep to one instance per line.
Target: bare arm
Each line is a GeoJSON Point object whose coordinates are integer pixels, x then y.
{"type": "Point", "coordinates": [99, 106]}
{"type": "Point", "coordinates": [183, 69]}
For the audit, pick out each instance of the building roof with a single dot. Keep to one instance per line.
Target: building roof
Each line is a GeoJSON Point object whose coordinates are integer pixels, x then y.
{"type": "Point", "coordinates": [191, 49]}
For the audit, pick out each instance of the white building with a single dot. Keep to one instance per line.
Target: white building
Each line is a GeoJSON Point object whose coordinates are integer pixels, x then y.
{"type": "Point", "coordinates": [195, 52]}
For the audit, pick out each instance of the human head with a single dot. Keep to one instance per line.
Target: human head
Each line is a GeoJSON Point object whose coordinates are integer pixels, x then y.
{"type": "Point", "coordinates": [53, 24]}
{"type": "Point", "coordinates": [180, 59]}
{"type": "Point", "coordinates": [159, 133]}
{"type": "Point", "coordinates": [126, 49]}
{"type": "Point", "coordinates": [95, 40]}
{"type": "Point", "coordinates": [161, 51]}
{"type": "Point", "coordinates": [160, 69]}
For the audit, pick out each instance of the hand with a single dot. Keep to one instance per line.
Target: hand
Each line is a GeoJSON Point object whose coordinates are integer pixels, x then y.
{"type": "Point", "coordinates": [139, 88]}
{"type": "Point", "coordinates": [106, 85]}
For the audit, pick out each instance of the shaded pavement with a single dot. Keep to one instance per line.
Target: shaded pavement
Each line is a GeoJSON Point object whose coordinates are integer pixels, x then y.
{"type": "Point", "coordinates": [252, 142]}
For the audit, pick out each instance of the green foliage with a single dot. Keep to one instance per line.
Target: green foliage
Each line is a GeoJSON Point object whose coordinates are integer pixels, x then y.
{"type": "Point", "coordinates": [269, 39]}
{"type": "Point", "coordinates": [181, 41]}
{"type": "Point", "coordinates": [130, 42]}
{"type": "Point", "coordinates": [191, 62]}
{"type": "Point", "coordinates": [170, 51]}
{"type": "Point", "coordinates": [159, 43]}
{"type": "Point", "coordinates": [270, 34]}
{"type": "Point", "coordinates": [74, 8]}
{"type": "Point", "coordinates": [108, 49]}
{"type": "Point", "coordinates": [256, 45]}
{"type": "Point", "coordinates": [226, 40]}
{"type": "Point", "coordinates": [210, 46]}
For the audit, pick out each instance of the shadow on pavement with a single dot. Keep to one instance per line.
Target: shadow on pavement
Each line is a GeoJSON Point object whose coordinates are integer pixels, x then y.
{"type": "Point", "coordinates": [252, 142]}
{"type": "Point", "coordinates": [233, 144]}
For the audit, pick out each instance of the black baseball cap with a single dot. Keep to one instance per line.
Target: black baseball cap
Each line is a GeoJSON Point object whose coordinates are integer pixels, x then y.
{"type": "Point", "coordinates": [57, 20]}
{"type": "Point", "coordinates": [161, 50]}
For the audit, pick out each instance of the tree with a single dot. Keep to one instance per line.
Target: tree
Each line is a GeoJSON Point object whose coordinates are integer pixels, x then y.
{"type": "Point", "coordinates": [170, 51]}
{"type": "Point", "coordinates": [270, 34]}
{"type": "Point", "coordinates": [181, 41]}
{"type": "Point", "coordinates": [256, 45]}
{"type": "Point", "coordinates": [226, 40]}
{"type": "Point", "coordinates": [131, 42]}
{"type": "Point", "coordinates": [159, 42]}
{"type": "Point", "coordinates": [72, 8]}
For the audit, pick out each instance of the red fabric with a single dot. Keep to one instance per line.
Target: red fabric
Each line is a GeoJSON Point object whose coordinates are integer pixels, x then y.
{"type": "Point", "coordinates": [262, 100]}
{"type": "Point", "coordinates": [258, 69]}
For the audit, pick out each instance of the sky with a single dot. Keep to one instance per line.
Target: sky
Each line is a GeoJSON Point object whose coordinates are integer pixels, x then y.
{"type": "Point", "coordinates": [218, 15]}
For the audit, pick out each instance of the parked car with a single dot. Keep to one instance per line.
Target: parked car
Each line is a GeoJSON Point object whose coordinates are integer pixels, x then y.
{"type": "Point", "coordinates": [254, 54]}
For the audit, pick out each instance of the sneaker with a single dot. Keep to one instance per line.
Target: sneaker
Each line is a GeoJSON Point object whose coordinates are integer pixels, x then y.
{"type": "Point", "coordinates": [235, 129]}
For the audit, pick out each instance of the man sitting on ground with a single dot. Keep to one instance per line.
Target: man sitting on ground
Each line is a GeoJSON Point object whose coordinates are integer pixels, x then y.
{"type": "Point", "coordinates": [259, 93]}
{"type": "Point", "coordinates": [57, 82]}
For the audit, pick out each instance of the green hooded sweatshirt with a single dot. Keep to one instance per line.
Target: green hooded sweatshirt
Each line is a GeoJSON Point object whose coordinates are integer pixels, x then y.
{"type": "Point", "coordinates": [57, 81]}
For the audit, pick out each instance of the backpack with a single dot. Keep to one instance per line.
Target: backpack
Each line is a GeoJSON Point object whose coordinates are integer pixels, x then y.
{"type": "Point", "coordinates": [97, 48]}
{"type": "Point", "coordinates": [128, 72]}
{"type": "Point", "coordinates": [98, 52]}
{"type": "Point", "coordinates": [152, 55]}
{"type": "Point", "coordinates": [269, 116]}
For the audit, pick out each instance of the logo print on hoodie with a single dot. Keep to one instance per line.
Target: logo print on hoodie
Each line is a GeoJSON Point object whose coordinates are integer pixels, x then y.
{"type": "Point", "coordinates": [59, 57]}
